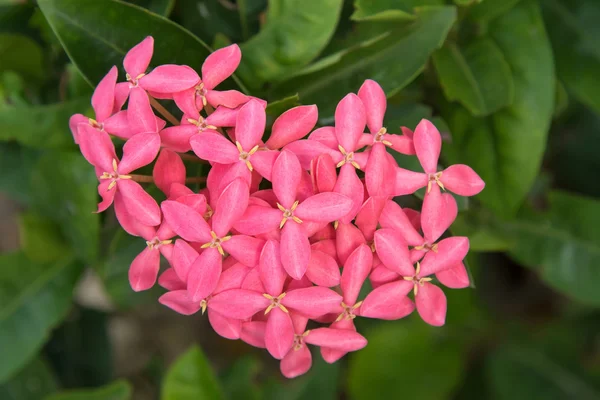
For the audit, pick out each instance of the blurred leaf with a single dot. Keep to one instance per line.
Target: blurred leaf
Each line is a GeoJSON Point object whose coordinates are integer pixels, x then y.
{"type": "Point", "coordinates": [409, 115]}
{"type": "Point", "coordinates": [490, 9]}
{"type": "Point", "coordinates": [562, 244]}
{"type": "Point", "coordinates": [42, 126]}
{"type": "Point", "coordinates": [506, 149]}
{"type": "Point", "coordinates": [393, 59]}
{"type": "Point", "coordinates": [382, 10]}
{"type": "Point", "coordinates": [34, 298]}
{"type": "Point", "coordinates": [294, 34]}
{"type": "Point", "coordinates": [477, 76]}
{"type": "Point", "coordinates": [160, 7]}
{"type": "Point", "coordinates": [577, 63]}
{"type": "Point", "coordinates": [96, 38]}
{"type": "Point", "coordinates": [31, 383]}
{"type": "Point", "coordinates": [22, 55]}
{"type": "Point", "coordinates": [65, 190]}
{"type": "Point", "coordinates": [561, 103]}
{"type": "Point", "coordinates": [466, 3]}
{"type": "Point", "coordinates": [405, 358]}
{"type": "Point", "coordinates": [119, 390]}
{"type": "Point", "coordinates": [220, 41]}
{"type": "Point", "coordinates": [40, 238]}
{"type": "Point", "coordinates": [239, 381]}
{"type": "Point", "coordinates": [482, 236]}
{"type": "Point", "coordinates": [16, 164]}
{"type": "Point", "coordinates": [191, 378]}
{"type": "Point", "coordinates": [278, 107]}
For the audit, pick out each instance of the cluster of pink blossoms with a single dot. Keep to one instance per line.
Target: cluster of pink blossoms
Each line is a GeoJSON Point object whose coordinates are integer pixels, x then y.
{"type": "Point", "coordinates": [263, 262]}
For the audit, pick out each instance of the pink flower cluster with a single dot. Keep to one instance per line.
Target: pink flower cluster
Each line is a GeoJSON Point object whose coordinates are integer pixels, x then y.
{"type": "Point", "coordinates": [287, 229]}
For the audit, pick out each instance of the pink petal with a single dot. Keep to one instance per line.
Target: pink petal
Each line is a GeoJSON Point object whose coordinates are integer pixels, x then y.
{"type": "Point", "coordinates": [350, 121]}
{"type": "Point", "coordinates": [450, 252]}
{"type": "Point", "coordinates": [331, 355]}
{"type": "Point", "coordinates": [431, 304]}
{"type": "Point", "coordinates": [375, 103]}
{"type": "Point", "coordinates": [220, 65]}
{"type": "Point", "coordinates": [438, 213]}
{"type": "Point", "coordinates": [245, 249]}
{"type": "Point", "coordinates": [295, 249]}
{"type": "Point", "coordinates": [250, 124]}
{"type": "Point", "coordinates": [292, 125]}
{"type": "Point", "coordinates": [107, 195]}
{"type": "Point", "coordinates": [168, 169]}
{"type": "Point", "coordinates": [428, 143]}
{"type": "Point", "coordinates": [324, 207]}
{"type": "Point", "coordinates": [130, 224]}
{"type": "Point", "coordinates": [455, 277]}
{"type": "Point", "coordinates": [262, 161]}
{"type": "Point", "coordinates": [394, 217]}
{"type": "Point", "coordinates": [286, 178]}
{"type": "Point", "coordinates": [139, 151]}
{"type": "Point", "coordinates": [252, 281]}
{"type": "Point", "coordinates": [258, 220]}
{"type": "Point", "coordinates": [271, 271]}
{"type": "Point", "coordinates": [121, 95]}
{"type": "Point", "coordinates": [279, 333]}
{"type": "Point", "coordinates": [183, 258]}
{"type": "Point", "coordinates": [308, 150]}
{"type": "Point", "coordinates": [221, 175]}
{"type": "Point", "coordinates": [196, 202]}
{"type": "Point", "coordinates": [139, 112]}
{"type": "Point", "coordinates": [408, 182]}
{"type": "Point", "coordinates": [96, 147]}
{"type": "Point", "coordinates": [239, 303]}
{"type": "Point", "coordinates": [139, 204]}
{"type": "Point", "coordinates": [323, 173]}
{"type": "Point", "coordinates": [382, 275]}
{"type": "Point", "coordinates": [186, 102]}
{"type": "Point", "coordinates": [392, 249]}
{"type": "Point", "coordinates": [462, 180]}
{"type": "Point", "coordinates": [350, 185]}
{"type": "Point", "coordinates": [326, 246]}
{"type": "Point", "coordinates": [144, 270]}
{"type": "Point", "coordinates": [356, 269]}
{"type": "Point", "coordinates": [379, 173]}
{"type": "Point", "coordinates": [323, 270]}
{"type": "Point", "coordinates": [169, 78]}
{"type": "Point", "coordinates": [179, 301]}
{"type": "Point", "coordinates": [369, 215]}
{"type": "Point", "coordinates": [313, 301]}
{"type": "Point", "coordinates": [226, 98]}
{"type": "Point", "coordinates": [407, 132]}
{"type": "Point", "coordinates": [402, 144]}
{"type": "Point", "coordinates": [204, 274]}
{"type": "Point", "coordinates": [232, 277]}
{"type": "Point", "coordinates": [137, 59]}
{"type": "Point", "coordinates": [104, 95]}
{"type": "Point", "coordinates": [230, 207]}
{"type": "Point", "coordinates": [325, 135]}
{"type": "Point", "coordinates": [118, 125]}
{"type": "Point", "coordinates": [186, 222]}
{"type": "Point", "coordinates": [389, 301]}
{"type": "Point", "coordinates": [214, 147]}
{"type": "Point", "coordinates": [347, 238]}
{"type": "Point", "coordinates": [74, 121]}
{"type": "Point", "coordinates": [339, 339]}
{"type": "Point", "coordinates": [177, 138]}
{"type": "Point", "coordinates": [228, 328]}
{"type": "Point", "coordinates": [253, 333]}
{"type": "Point", "coordinates": [296, 362]}
{"type": "Point", "coordinates": [170, 281]}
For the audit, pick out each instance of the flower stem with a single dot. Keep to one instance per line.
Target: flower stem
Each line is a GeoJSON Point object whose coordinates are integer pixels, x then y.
{"type": "Point", "coordinates": [192, 158]}
{"type": "Point", "coordinates": [196, 179]}
{"type": "Point", "coordinates": [142, 178]}
{"type": "Point", "coordinates": [163, 111]}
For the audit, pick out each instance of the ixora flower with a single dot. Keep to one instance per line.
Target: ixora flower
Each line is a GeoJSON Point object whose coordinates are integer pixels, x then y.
{"type": "Point", "coordinates": [287, 229]}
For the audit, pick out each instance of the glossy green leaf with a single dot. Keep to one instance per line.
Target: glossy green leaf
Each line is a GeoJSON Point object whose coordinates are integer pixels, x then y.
{"type": "Point", "coordinates": [95, 36]}
{"type": "Point", "coordinates": [34, 298]}
{"type": "Point", "coordinates": [405, 358]}
{"type": "Point", "coordinates": [477, 76]}
{"type": "Point", "coordinates": [294, 34]}
{"type": "Point", "coordinates": [382, 10]}
{"type": "Point", "coordinates": [32, 382]}
{"type": "Point", "coordinates": [119, 390]}
{"type": "Point", "coordinates": [276, 108]}
{"type": "Point", "coordinates": [488, 10]}
{"type": "Point", "coordinates": [43, 126]}
{"type": "Point", "coordinates": [506, 148]}
{"type": "Point", "coordinates": [22, 55]}
{"type": "Point", "coordinates": [575, 43]}
{"type": "Point", "coordinates": [562, 244]}
{"type": "Point", "coordinates": [393, 59]}
{"type": "Point", "coordinates": [191, 378]}
{"type": "Point", "coordinates": [40, 238]}
{"type": "Point", "coordinates": [160, 7]}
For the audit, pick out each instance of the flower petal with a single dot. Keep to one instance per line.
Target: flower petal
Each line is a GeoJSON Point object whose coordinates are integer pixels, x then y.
{"type": "Point", "coordinates": [462, 180]}
{"type": "Point", "coordinates": [230, 207]}
{"type": "Point", "coordinates": [226, 98]}
{"type": "Point", "coordinates": [168, 169]}
{"type": "Point", "coordinates": [214, 147]}
{"type": "Point", "coordinates": [350, 121]}
{"type": "Point", "coordinates": [118, 125]}
{"type": "Point", "coordinates": [104, 95]}
{"type": "Point", "coordinates": [139, 204]}
{"type": "Point", "coordinates": [438, 213]}
{"type": "Point", "coordinates": [450, 252]}
{"type": "Point", "coordinates": [324, 207]}
{"type": "Point", "coordinates": [279, 333]}
{"type": "Point", "coordinates": [144, 269]}
{"type": "Point", "coordinates": [392, 249]}
{"type": "Point", "coordinates": [139, 151]}
{"type": "Point", "coordinates": [169, 78]}
{"type": "Point", "coordinates": [312, 302]}
{"type": "Point", "coordinates": [140, 116]}
{"type": "Point", "coordinates": [349, 184]}
{"type": "Point", "coordinates": [204, 274]}
{"type": "Point", "coordinates": [428, 143]}
{"type": "Point", "coordinates": [296, 362]}
{"type": "Point", "coordinates": [229, 328]}
{"type": "Point", "coordinates": [177, 138]}
{"type": "Point", "coordinates": [253, 333]}
{"type": "Point", "coordinates": [108, 195]}
{"type": "Point", "coordinates": [356, 269]}
{"type": "Point", "coordinates": [389, 301]}
{"type": "Point", "coordinates": [170, 281]}
{"type": "Point", "coordinates": [382, 275]}
{"type": "Point", "coordinates": [271, 271]}
{"type": "Point", "coordinates": [250, 124]}
{"type": "Point", "coordinates": [339, 339]}
{"type": "Point", "coordinates": [245, 249]}
{"type": "Point", "coordinates": [394, 217]}
{"type": "Point", "coordinates": [401, 143]}
{"type": "Point", "coordinates": [375, 103]}
{"type": "Point", "coordinates": [286, 178]}
{"type": "Point", "coordinates": [186, 222]}
{"type": "Point", "coordinates": [183, 258]}
{"type": "Point", "coordinates": [379, 173]}
{"type": "Point", "coordinates": [368, 217]}
{"type": "Point", "coordinates": [258, 220]}
{"type": "Point", "coordinates": [96, 147]}
{"type": "Point", "coordinates": [347, 238]}
{"type": "Point", "coordinates": [308, 150]}
{"type": "Point", "coordinates": [220, 65]}
{"type": "Point", "coordinates": [323, 173]}
{"type": "Point", "coordinates": [408, 182]}
{"type": "Point", "coordinates": [262, 161]}
{"type": "Point", "coordinates": [179, 301]}
{"type": "Point", "coordinates": [137, 59]}
{"type": "Point", "coordinates": [292, 125]}
{"type": "Point", "coordinates": [455, 277]}
{"type": "Point", "coordinates": [238, 303]}
{"type": "Point", "coordinates": [431, 304]}
{"type": "Point", "coordinates": [295, 249]}
{"type": "Point", "coordinates": [323, 270]}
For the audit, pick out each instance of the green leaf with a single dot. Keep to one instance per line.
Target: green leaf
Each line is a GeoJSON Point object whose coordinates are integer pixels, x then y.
{"type": "Point", "coordinates": [239, 382]}
{"type": "Point", "coordinates": [393, 59]}
{"type": "Point", "coordinates": [191, 378]}
{"type": "Point", "coordinates": [16, 164]}
{"type": "Point", "coordinates": [39, 239]}
{"type": "Point", "coordinates": [278, 107]}
{"type": "Point", "coordinates": [405, 357]}
{"type": "Point", "coordinates": [119, 390]}
{"type": "Point", "coordinates": [477, 76]}
{"type": "Point", "coordinates": [506, 149]}
{"type": "Point", "coordinates": [562, 244]}
{"type": "Point", "coordinates": [490, 9]}
{"type": "Point", "coordinates": [382, 10]}
{"type": "Point", "coordinates": [577, 62]}
{"type": "Point", "coordinates": [31, 383]}
{"type": "Point", "coordinates": [482, 236]}
{"type": "Point", "coordinates": [160, 7]}
{"type": "Point", "coordinates": [95, 36]}
{"type": "Point", "coordinates": [42, 126]}
{"type": "Point", "coordinates": [295, 33]}
{"type": "Point", "coordinates": [22, 55]}
{"type": "Point", "coordinates": [34, 298]}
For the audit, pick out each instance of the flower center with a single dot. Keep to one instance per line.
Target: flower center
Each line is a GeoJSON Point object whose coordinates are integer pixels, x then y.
{"type": "Point", "coordinates": [209, 212]}
{"type": "Point", "coordinates": [299, 340]}
{"type": "Point", "coordinates": [201, 91]}
{"type": "Point", "coordinates": [96, 124]}
{"type": "Point", "coordinates": [114, 176]}
{"type": "Point", "coordinates": [379, 137]}
{"type": "Point", "coordinates": [133, 82]}
{"type": "Point", "coordinates": [435, 179]}
{"type": "Point", "coordinates": [216, 242]}
{"type": "Point", "coordinates": [348, 312]}
{"type": "Point", "coordinates": [417, 280]}
{"type": "Point", "coordinates": [201, 124]}
{"type": "Point", "coordinates": [275, 302]}
{"type": "Point", "coordinates": [288, 213]}
{"type": "Point", "coordinates": [427, 247]}
{"type": "Point", "coordinates": [155, 243]}
{"type": "Point", "coordinates": [244, 155]}
{"type": "Point", "coordinates": [204, 304]}
{"type": "Point", "coordinates": [348, 158]}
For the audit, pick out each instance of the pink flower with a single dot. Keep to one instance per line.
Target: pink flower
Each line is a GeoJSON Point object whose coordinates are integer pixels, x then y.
{"type": "Point", "coordinates": [136, 63]}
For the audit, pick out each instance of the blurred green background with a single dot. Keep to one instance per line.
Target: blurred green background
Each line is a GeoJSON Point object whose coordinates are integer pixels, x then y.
{"type": "Point", "coordinates": [514, 85]}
